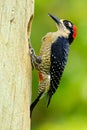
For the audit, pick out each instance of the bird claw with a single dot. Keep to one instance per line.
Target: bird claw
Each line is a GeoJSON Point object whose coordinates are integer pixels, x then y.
{"type": "Point", "coordinates": [35, 60]}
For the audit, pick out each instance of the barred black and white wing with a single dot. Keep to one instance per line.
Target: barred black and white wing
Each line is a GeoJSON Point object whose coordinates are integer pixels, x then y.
{"type": "Point", "coordinates": [59, 55]}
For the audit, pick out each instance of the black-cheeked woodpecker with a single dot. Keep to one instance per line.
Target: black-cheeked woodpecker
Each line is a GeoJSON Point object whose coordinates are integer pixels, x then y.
{"type": "Point", "coordinates": [52, 58]}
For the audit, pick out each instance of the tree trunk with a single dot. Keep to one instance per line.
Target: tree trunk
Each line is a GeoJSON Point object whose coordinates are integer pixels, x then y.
{"type": "Point", "coordinates": [15, 67]}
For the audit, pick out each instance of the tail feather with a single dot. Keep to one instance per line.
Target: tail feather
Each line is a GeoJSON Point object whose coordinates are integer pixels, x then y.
{"type": "Point", "coordinates": [34, 103]}
{"type": "Point", "coordinates": [49, 97]}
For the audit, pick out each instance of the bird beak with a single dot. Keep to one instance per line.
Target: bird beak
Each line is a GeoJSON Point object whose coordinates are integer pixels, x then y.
{"type": "Point", "coordinates": [57, 20]}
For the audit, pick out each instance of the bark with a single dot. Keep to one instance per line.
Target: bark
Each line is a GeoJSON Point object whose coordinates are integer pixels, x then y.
{"type": "Point", "coordinates": [15, 67]}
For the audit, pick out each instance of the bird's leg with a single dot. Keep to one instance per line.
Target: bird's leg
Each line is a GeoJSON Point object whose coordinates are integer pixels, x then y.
{"type": "Point", "coordinates": [35, 60]}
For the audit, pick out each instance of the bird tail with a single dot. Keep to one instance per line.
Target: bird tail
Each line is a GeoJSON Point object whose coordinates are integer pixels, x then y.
{"type": "Point", "coordinates": [34, 103]}
{"type": "Point", "coordinates": [49, 96]}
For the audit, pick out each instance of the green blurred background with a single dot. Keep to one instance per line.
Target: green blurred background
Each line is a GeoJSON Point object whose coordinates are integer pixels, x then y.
{"type": "Point", "coordinates": [68, 107]}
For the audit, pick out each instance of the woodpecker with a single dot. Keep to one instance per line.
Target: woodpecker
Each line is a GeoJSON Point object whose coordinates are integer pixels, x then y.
{"type": "Point", "coordinates": [52, 58]}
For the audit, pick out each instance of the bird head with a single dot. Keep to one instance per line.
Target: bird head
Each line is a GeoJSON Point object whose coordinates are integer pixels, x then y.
{"type": "Point", "coordinates": [66, 27]}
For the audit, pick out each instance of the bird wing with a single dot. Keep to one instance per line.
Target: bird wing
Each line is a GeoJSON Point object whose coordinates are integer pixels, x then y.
{"type": "Point", "coordinates": [59, 55]}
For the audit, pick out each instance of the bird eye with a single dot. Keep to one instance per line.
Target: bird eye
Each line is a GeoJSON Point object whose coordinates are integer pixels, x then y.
{"type": "Point", "coordinates": [67, 24]}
